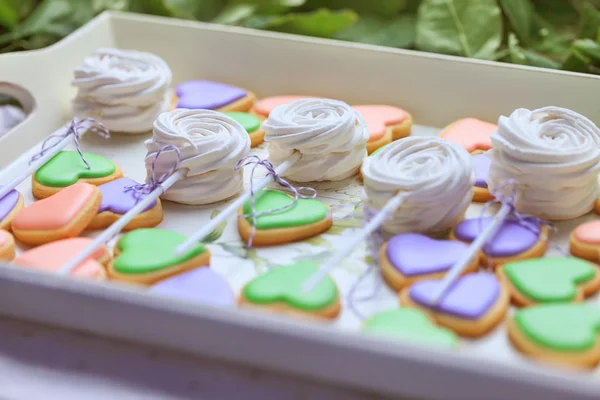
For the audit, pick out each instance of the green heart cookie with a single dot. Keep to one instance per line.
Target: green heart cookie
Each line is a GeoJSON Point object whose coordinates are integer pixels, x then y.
{"type": "Point", "coordinates": [409, 324]}
{"type": "Point", "coordinates": [563, 327]}
{"type": "Point", "coordinates": [250, 122]}
{"type": "Point", "coordinates": [305, 212]}
{"type": "Point", "coordinates": [149, 250]}
{"type": "Point", "coordinates": [67, 167]}
{"type": "Point", "coordinates": [547, 280]}
{"type": "Point", "coordinates": [284, 284]}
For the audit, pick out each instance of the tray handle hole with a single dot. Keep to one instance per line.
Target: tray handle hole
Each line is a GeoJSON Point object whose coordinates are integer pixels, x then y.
{"type": "Point", "coordinates": [16, 104]}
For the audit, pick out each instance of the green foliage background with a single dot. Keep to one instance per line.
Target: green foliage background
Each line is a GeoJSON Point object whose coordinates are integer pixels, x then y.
{"type": "Point", "coordinates": [559, 34]}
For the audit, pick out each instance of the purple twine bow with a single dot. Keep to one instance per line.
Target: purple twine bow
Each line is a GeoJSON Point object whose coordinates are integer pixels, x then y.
{"type": "Point", "coordinates": [529, 222]}
{"type": "Point", "coordinates": [75, 125]}
{"type": "Point", "coordinates": [255, 161]}
{"type": "Point", "coordinates": [147, 188]}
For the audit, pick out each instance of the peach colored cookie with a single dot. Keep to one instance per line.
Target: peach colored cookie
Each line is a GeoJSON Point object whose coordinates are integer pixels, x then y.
{"type": "Point", "coordinates": [386, 124]}
{"type": "Point", "coordinates": [472, 307]}
{"type": "Point", "coordinates": [10, 205]}
{"type": "Point", "coordinates": [550, 280]}
{"type": "Point", "coordinates": [280, 290]}
{"type": "Point", "coordinates": [7, 246]}
{"type": "Point", "coordinates": [264, 106]}
{"type": "Point", "coordinates": [472, 134]}
{"type": "Point", "coordinates": [67, 168]}
{"type": "Point", "coordinates": [63, 215]}
{"type": "Point", "coordinates": [51, 257]}
{"type": "Point", "coordinates": [584, 241]}
{"type": "Point", "coordinates": [597, 206]}
{"type": "Point", "coordinates": [211, 95]}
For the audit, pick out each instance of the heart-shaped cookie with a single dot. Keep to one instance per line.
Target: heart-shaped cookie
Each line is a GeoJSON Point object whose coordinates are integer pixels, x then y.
{"type": "Point", "coordinates": [251, 124]}
{"type": "Point", "coordinates": [67, 168]}
{"type": "Point", "coordinates": [211, 95]}
{"type": "Point", "coordinates": [52, 256]}
{"type": "Point", "coordinates": [482, 164]}
{"type": "Point", "coordinates": [264, 106]}
{"type": "Point", "coordinates": [385, 123]}
{"type": "Point", "coordinates": [406, 324]}
{"type": "Point", "coordinates": [118, 199]}
{"type": "Point", "coordinates": [472, 134]}
{"type": "Point", "coordinates": [63, 215]}
{"type": "Point", "coordinates": [147, 255]}
{"type": "Point", "coordinates": [565, 334]}
{"type": "Point", "coordinates": [10, 205]}
{"type": "Point", "coordinates": [200, 285]}
{"type": "Point", "coordinates": [515, 240]}
{"type": "Point", "coordinates": [410, 257]}
{"type": "Point", "coordinates": [280, 289]}
{"type": "Point", "coordinates": [550, 280]}
{"type": "Point", "coordinates": [307, 218]}
{"type": "Point", "coordinates": [473, 306]}
{"type": "Point", "coordinates": [7, 246]}
{"type": "Point", "coordinates": [584, 241]}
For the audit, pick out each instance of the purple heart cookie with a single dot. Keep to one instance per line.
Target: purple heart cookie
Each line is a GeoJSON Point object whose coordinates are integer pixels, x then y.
{"type": "Point", "coordinates": [482, 168]}
{"type": "Point", "coordinates": [512, 238]}
{"type": "Point", "coordinates": [207, 95]}
{"type": "Point", "coordinates": [117, 199]}
{"type": "Point", "coordinates": [8, 203]}
{"type": "Point", "coordinates": [202, 285]}
{"type": "Point", "coordinates": [470, 297]}
{"type": "Point", "coordinates": [413, 254]}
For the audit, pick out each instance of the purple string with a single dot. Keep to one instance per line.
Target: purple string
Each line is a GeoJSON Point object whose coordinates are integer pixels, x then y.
{"type": "Point", "coordinates": [73, 129]}
{"type": "Point", "coordinates": [147, 188]}
{"type": "Point", "coordinates": [255, 161]}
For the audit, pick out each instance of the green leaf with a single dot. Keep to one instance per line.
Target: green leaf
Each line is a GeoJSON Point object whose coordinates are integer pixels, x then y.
{"type": "Point", "coordinates": [233, 14]}
{"type": "Point", "coordinates": [549, 41]}
{"type": "Point", "coordinates": [520, 16]}
{"type": "Point", "coordinates": [9, 13]}
{"type": "Point", "coordinates": [381, 8]}
{"type": "Point", "coordinates": [588, 50]}
{"type": "Point", "coordinates": [590, 22]}
{"type": "Point", "coordinates": [470, 28]}
{"type": "Point", "coordinates": [320, 23]}
{"type": "Point", "coordinates": [399, 32]}
{"type": "Point", "coordinates": [102, 5]}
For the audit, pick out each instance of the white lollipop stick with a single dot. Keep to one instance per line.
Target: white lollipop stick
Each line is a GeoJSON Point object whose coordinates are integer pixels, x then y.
{"type": "Point", "coordinates": [487, 234]}
{"type": "Point", "coordinates": [121, 222]}
{"type": "Point", "coordinates": [201, 233]}
{"type": "Point", "coordinates": [390, 207]}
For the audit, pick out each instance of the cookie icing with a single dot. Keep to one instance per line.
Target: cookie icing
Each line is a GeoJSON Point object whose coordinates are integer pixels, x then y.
{"type": "Point", "coordinates": [268, 104]}
{"type": "Point", "coordinates": [67, 167]}
{"type": "Point", "coordinates": [471, 297]}
{"type": "Point", "coordinates": [202, 285]}
{"type": "Point", "coordinates": [210, 144]}
{"type": "Point", "coordinates": [511, 239]}
{"type": "Point", "coordinates": [549, 279]}
{"type": "Point", "coordinates": [550, 141]}
{"type": "Point", "coordinates": [330, 134]}
{"type": "Point", "coordinates": [437, 176]}
{"type": "Point", "coordinates": [124, 89]}
{"type": "Point", "coordinates": [304, 212]}
{"type": "Point", "coordinates": [8, 203]}
{"type": "Point", "coordinates": [379, 117]}
{"type": "Point", "coordinates": [4, 238]}
{"type": "Point", "coordinates": [117, 199]}
{"type": "Point", "coordinates": [563, 327]}
{"type": "Point", "coordinates": [284, 284]}
{"type": "Point", "coordinates": [482, 165]}
{"type": "Point", "coordinates": [149, 250]}
{"type": "Point", "coordinates": [413, 254]}
{"type": "Point", "coordinates": [588, 232]}
{"type": "Point", "coordinates": [207, 95]}
{"type": "Point", "coordinates": [471, 134]}
{"type": "Point", "coordinates": [250, 122]}
{"type": "Point", "coordinates": [56, 211]}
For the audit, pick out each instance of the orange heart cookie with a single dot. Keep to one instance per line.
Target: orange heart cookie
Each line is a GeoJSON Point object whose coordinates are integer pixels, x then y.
{"type": "Point", "coordinates": [52, 256]}
{"type": "Point", "coordinates": [7, 246]}
{"type": "Point", "coordinates": [386, 124]}
{"type": "Point", "coordinates": [63, 215]}
{"type": "Point", "coordinates": [472, 134]}
{"type": "Point", "coordinates": [264, 107]}
{"type": "Point", "coordinates": [584, 241]}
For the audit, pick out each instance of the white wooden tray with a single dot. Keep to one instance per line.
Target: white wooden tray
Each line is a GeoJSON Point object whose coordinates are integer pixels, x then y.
{"type": "Point", "coordinates": [435, 89]}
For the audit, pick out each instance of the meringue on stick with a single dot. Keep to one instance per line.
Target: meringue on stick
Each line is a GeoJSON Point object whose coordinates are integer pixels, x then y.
{"type": "Point", "coordinates": [309, 140]}
{"type": "Point", "coordinates": [192, 151]}
{"type": "Point", "coordinates": [418, 184]}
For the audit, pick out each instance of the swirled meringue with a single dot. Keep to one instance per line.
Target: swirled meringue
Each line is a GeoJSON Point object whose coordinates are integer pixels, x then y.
{"type": "Point", "coordinates": [210, 144]}
{"type": "Point", "coordinates": [437, 176]}
{"type": "Point", "coordinates": [124, 89]}
{"type": "Point", "coordinates": [330, 135]}
{"type": "Point", "coordinates": [554, 156]}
